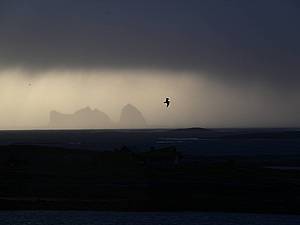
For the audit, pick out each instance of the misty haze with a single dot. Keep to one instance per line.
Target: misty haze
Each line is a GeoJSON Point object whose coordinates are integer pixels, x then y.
{"type": "Point", "coordinates": [197, 100]}
{"type": "Point", "coordinates": [87, 118]}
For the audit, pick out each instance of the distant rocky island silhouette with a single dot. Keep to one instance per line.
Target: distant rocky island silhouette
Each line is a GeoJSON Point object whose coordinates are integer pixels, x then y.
{"type": "Point", "coordinates": [87, 118]}
{"type": "Point", "coordinates": [131, 117]}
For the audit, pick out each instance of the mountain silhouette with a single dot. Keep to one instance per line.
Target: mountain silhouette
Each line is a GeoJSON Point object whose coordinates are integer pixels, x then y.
{"type": "Point", "coordinates": [87, 118]}
{"type": "Point", "coordinates": [83, 118]}
{"type": "Point", "coordinates": [131, 117]}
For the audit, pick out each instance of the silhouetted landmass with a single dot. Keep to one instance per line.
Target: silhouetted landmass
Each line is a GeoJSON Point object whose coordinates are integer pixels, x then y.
{"type": "Point", "coordinates": [83, 118]}
{"type": "Point", "coordinates": [131, 117]}
{"type": "Point", "coordinates": [39, 177]}
{"type": "Point", "coordinates": [87, 118]}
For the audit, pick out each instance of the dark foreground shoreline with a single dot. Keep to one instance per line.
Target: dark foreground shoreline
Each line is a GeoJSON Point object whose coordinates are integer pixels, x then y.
{"type": "Point", "coordinates": [54, 178]}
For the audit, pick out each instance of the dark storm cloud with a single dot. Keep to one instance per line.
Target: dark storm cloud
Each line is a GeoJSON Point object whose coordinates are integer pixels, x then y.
{"type": "Point", "coordinates": [227, 38]}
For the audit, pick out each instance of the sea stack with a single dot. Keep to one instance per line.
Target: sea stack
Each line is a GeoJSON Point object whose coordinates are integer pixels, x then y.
{"type": "Point", "coordinates": [85, 118]}
{"type": "Point", "coordinates": [131, 118]}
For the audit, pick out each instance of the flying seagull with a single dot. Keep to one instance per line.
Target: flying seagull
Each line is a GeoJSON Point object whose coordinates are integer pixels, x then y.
{"type": "Point", "coordinates": [167, 102]}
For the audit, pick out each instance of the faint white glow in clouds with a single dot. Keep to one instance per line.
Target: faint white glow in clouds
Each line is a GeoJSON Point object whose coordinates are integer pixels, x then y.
{"type": "Point", "coordinates": [25, 99]}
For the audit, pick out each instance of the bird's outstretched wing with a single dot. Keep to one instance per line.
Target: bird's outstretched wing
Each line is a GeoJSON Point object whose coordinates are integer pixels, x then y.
{"type": "Point", "coordinates": [167, 102]}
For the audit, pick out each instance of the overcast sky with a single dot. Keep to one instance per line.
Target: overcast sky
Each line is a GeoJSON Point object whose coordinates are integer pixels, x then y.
{"type": "Point", "coordinates": [222, 62]}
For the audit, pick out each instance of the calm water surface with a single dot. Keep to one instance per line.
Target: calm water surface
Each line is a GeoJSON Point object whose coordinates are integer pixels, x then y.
{"type": "Point", "coordinates": [195, 142]}
{"type": "Point", "coordinates": [124, 218]}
